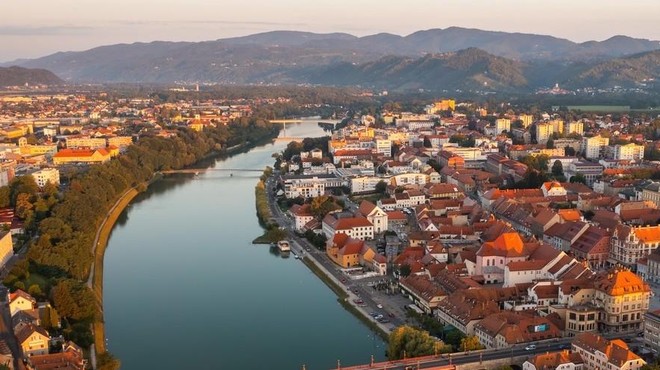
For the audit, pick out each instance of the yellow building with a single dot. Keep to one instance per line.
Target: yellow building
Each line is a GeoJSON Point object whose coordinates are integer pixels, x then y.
{"type": "Point", "coordinates": [526, 119]}
{"type": "Point", "coordinates": [14, 132]}
{"type": "Point", "coordinates": [543, 132]}
{"type": "Point", "coordinates": [624, 297]}
{"type": "Point", "coordinates": [345, 251]}
{"type": "Point", "coordinates": [196, 125]}
{"type": "Point", "coordinates": [557, 125]}
{"type": "Point", "coordinates": [85, 142]}
{"type": "Point", "coordinates": [503, 124]}
{"type": "Point", "coordinates": [442, 105]}
{"type": "Point", "coordinates": [575, 127]}
{"type": "Point", "coordinates": [34, 340]}
{"type": "Point", "coordinates": [81, 156]}
{"type": "Point", "coordinates": [30, 150]}
{"type": "Point", "coordinates": [6, 247]}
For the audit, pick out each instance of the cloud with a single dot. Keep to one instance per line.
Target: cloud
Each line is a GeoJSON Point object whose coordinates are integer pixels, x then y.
{"type": "Point", "coordinates": [43, 31]}
{"type": "Point", "coordinates": [203, 22]}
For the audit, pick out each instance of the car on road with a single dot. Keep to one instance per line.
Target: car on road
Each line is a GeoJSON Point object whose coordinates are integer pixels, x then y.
{"type": "Point", "coordinates": [379, 305]}
{"type": "Point", "coordinates": [530, 347]}
{"type": "Point", "coordinates": [564, 346]}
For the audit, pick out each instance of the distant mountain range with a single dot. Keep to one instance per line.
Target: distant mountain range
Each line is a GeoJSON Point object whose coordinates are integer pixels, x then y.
{"type": "Point", "coordinates": [439, 58]}
{"type": "Point", "coordinates": [18, 76]}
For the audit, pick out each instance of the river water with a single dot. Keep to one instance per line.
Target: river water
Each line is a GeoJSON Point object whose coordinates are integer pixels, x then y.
{"type": "Point", "coordinates": [184, 287]}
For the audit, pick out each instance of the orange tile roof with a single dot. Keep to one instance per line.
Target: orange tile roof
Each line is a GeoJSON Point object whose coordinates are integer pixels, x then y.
{"type": "Point", "coordinates": [554, 360]}
{"type": "Point", "coordinates": [621, 282]}
{"type": "Point", "coordinates": [352, 222]}
{"type": "Point", "coordinates": [570, 214]}
{"type": "Point", "coordinates": [617, 351]}
{"type": "Point", "coordinates": [649, 234]}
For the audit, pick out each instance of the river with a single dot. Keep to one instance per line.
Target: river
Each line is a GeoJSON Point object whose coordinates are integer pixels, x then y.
{"type": "Point", "coordinates": [184, 288]}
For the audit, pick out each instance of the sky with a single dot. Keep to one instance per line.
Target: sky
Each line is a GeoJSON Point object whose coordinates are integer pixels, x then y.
{"type": "Point", "coordinates": [34, 28]}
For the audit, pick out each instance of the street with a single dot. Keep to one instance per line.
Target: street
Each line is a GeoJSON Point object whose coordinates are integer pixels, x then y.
{"type": "Point", "coordinates": [356, 289]}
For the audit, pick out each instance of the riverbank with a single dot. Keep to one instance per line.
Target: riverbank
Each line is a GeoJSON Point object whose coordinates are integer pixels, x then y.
{"type": "Point", "coordinates": [343, 297]}
{"type": "Point", "coordinates": [95, 281]}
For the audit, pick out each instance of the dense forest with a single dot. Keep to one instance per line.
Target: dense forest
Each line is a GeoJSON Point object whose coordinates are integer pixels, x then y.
{"type": "Point", "coordinates": [64, 225]}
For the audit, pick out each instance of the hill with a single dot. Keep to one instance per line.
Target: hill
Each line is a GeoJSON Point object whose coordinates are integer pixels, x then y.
{"type": "Point", "coordinates": [276, 57]}
{"type": "Point", "coordinates": [466, 69]}
{"type": "Point", "coordinates": [17, 76]}
{"type": "Point", "coordinates": [626, 72]}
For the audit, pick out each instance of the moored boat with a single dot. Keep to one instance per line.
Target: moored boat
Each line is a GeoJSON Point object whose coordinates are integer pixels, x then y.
{"type": "Point", "coordinates": [283, 246]}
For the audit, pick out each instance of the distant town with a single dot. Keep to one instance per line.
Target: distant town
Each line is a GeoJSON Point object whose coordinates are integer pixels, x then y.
{"type": "Point", "coordinates": [487, 235]}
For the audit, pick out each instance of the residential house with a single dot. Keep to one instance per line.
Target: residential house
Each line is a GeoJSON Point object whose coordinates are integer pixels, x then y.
{"type": "Point", "coordinates": [592, 246]}
{"type": "Point", "coordinates": [34, 340]}
{"type": "Point", "coordinates": [507, 328]}
{"type": "Point", "coordinates": [600, 353]}
{"type": "Point", "coordinates": [562, 360]}
{"type": "Point", "coordinates": [423, 291]}
{"type": "Point", "coordinates": [563, 235]}
{"type": "Point", "coordinates": [21, 301]}
{"type": "Point", "coordinates": [354, 227]}
{"type": "Point", "coordinates": [302, 215]}
{"type": "Point", "coordinates": [465, 308]}
{"type": "Point", "coordinates": [629, 244]}
{"type": "Point", "coordinates": [552, 189]}
{"type": "Point", "coordinates": [70, 358]}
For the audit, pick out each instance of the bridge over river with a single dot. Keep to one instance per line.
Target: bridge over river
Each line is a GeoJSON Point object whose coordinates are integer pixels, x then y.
{"type": "Point", "coordinates": [283, 122]}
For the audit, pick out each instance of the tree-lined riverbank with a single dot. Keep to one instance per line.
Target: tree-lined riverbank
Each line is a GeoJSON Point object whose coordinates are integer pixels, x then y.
{"type": "Point", "coordinates": [65, 251]}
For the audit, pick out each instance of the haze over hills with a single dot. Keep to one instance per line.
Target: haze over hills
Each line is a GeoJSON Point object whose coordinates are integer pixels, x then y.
{"type": "Point", "coordinates": [16, 76]}
{"type": "Point", "coordinates": [499, 61]}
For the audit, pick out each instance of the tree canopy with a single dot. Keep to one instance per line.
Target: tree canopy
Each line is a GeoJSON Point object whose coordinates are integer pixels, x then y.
{"type": "Point", "coordinates": [406, 341]}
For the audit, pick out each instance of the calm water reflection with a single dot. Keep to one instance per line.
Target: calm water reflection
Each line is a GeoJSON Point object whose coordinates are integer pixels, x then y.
{"type": "Point", "coordinates": [186, 289]}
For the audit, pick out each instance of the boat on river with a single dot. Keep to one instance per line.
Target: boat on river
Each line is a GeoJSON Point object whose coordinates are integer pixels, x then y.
{"type": "Point", "coordinates": [284, 246]}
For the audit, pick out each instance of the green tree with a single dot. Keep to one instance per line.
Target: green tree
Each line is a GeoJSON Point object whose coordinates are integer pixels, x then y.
{"type": "Point", "coordinates": [381, 187]}
{"type": "Point", "coordinates": [321, 206]}
{"type": "Point", "coordinates": [404, 270]}
{"type": "Point", "coordinates": [106, 361]}
{"type": "Point", "coordinates": [34, 290]}
{"type": "Point", "coordinates": [22, 184]}
{"type": "Point", "coordinates": [5, 198]}
{"type": "Point", "coordinates": [569, 151]}
{"type": "Point", "coordinates": [579, 178]}
{"type": "Point", "coordinates": [557, 169]}
{"type": "Point", "coordinates": [23, 205]}
{"type": "Point", "coordinates": [470, 343]}
{"type": "Point", "coordinates": [406, 341]}
{"type": "Point", "coordinates": [74, 300]}
{"type": "Point", "coordinates": [427, 142]}
{"type": "Point", "coordinates": [454, 338]}
{"type": "Point", "coordinates": [550, 144]}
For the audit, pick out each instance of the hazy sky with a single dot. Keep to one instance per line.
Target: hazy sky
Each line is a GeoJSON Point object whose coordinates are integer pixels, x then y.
{"type": "Point", "coordinates": [32, 28]}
